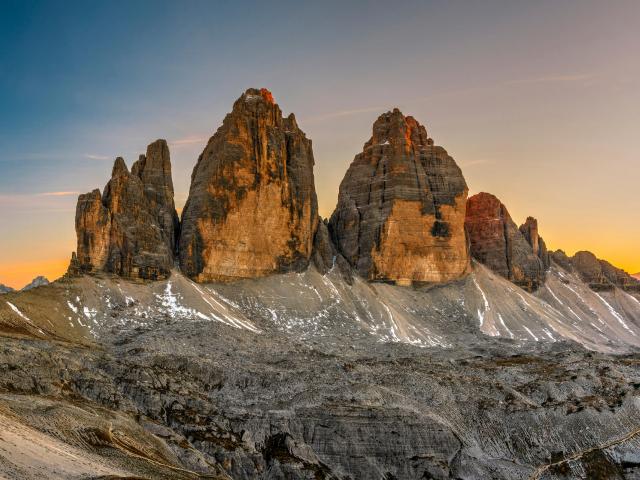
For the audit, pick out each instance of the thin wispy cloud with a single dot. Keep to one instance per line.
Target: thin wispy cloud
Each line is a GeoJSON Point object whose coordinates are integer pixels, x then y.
{"type": "Point", "coordinates": [57, 194]}
{"type": "Point", "coordinates": [189, 140]}
{"type": "Point", "coordinates": [563, 78]}
{"type": "Point", "coordinates": [583, 78]}
{"type": "Point", "coordinates": [343, 113]}
{"type": "Point", "coordinates": [92, 156]}
{"type": "Point", "coordinates": [36, 200]}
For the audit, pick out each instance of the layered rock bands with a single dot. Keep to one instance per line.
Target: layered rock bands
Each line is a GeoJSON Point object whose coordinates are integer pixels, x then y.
{"type": "Point", "coordinates": [401, 207]}
{"type": "Point", "coordinates": [131, 229]}
{"type": "Point", "coordinates": [252, 207]}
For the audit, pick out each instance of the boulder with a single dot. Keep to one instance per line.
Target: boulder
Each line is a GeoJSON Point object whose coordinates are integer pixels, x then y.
{"type": "Point", "coordinates": [252, 208]}
{"type": "Point", "coordinates": [496, 241]}
{"type": "Point", "coordinates": [401, 207]}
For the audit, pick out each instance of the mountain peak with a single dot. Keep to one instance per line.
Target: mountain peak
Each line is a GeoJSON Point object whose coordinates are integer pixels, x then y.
{"type": "Point", "coordinates": [131, 231]}
{"type": "Point", "coordinates": [400, 212]}
{"type": "Point", "coordinates": [252, 207]}
{"type": "Point", "coordinates": [259, 94]}
{"type": "Point", "coordinates": [394, 128]}
{"type": "Point", "coordinates": [39, 281]}
{"type": "Point", "coordinates": [517, 254]}
{"type": "Point", "coordinates": [119, 167]}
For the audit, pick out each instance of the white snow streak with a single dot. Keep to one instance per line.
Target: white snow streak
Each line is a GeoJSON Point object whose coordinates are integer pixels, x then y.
{"type": "Point", "coordinates": [505, 326]}
{"type": "Point", "coordinates": [616, 315]}
{"type": "Point", "coordinates": [486, 303]}
{"type": "Point", "coordinates": [530, 333]}
{"type": "Point", "coordinates": [23, 316]}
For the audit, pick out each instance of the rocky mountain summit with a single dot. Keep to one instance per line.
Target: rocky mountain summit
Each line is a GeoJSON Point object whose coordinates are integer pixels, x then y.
{"type": "Point", "coordinates": [5, 289]}
{"type": "Point", "coordinates": [38, 281]}
{"type": "Point", "coordinates": [252, 208]}
{"type": "Point", "coordinates": [518, 254]}
{"type": "Point", "coordinates": [131, 229]}
{"type": "Point", "coordinates": [401, 207]}
{"type": "Point", "coordinates": [598, 273]}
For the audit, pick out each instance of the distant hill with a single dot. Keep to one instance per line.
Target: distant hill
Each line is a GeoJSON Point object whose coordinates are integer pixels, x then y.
{"type": "Point", "coordinates": [636, 275]}
{"type": "Point", "coordinates": [36, 282]}
{"type": "Point", "coordinates": [5, 289]}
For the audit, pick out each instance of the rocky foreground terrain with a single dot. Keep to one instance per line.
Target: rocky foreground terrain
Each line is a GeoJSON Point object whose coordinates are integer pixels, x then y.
{"type": "Point", "coordinates": [306, 376]}
{"type": "Point", "coordinates": [417, 334]}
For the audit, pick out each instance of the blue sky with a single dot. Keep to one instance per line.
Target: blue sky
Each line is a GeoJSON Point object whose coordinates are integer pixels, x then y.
{"type": "Point", "coordinates": [537, 101]}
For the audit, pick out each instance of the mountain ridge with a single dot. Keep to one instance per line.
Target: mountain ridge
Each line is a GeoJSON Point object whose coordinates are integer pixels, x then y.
{"type": "Point", "coordinates": [251, 339]}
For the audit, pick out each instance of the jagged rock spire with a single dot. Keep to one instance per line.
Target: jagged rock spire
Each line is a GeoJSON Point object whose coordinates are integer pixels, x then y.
{"type": "Point", "coordinates": [129, 230]}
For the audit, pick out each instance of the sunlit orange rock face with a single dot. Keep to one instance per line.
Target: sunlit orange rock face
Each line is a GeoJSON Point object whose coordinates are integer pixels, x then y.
{"type": "Point", "coordinates": [130, 229]}
{"type": "Point", "coordinates": [252, 208]}
{"type": "Point", "coordinates": [401, 207]}
{"type": "Point", "coordinates": [496, 241]}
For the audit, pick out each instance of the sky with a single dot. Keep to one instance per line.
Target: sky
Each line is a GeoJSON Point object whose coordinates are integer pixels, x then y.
{"type": "Point", "coordinates": [538, 102]}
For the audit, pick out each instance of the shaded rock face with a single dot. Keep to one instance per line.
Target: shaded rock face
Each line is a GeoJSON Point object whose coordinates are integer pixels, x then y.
{"type": "Point", "coordinates": [154, 169]}
{"type": "Point", "coordinates": [5, 289]}
{"type": "Point", "coordinates": [562, 259]}
{"type": "Point", "coordinates": [130, 230]}
{"type": "Point", "coordinates": [401, 207]}
{"type": "Point", "coordinates": [530, 231]}
{"type": "Point", "coordinates": [600, 274]}
{"type": "Point", "coordinates": [39, 281]}
{"type": "Point", "coordinates": [496, 241]}
{"type": "Point", "coordinates": [325, 256]}
{"type": "Point", "coordinates": [252, 207]}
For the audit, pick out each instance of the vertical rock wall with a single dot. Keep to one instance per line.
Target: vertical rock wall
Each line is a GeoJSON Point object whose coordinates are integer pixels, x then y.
{"type": "Point", "coordinates": [252, 207]}
{"type": "Point", "coordinates": [401, 207]}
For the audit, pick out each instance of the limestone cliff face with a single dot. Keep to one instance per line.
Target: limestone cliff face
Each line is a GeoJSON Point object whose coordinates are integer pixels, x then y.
{"type": "Point", "coordinates": [496, 241]}
{"type": "Point", "coordinates": [129, 230]}
{"type": "Point", "coordinates": [401, 207]}
{"type": "Point", "coordinates": [154, 170]}
{"type": "Point", "coordinates": [530, 231]}
{"type": "Point", "coordinates": [252, 207]}
{"type": "Point", "coordinates": [93, 225]}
